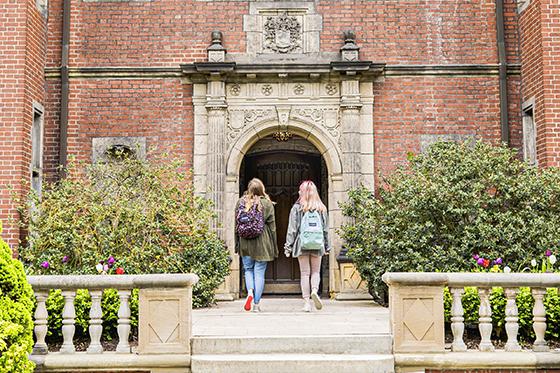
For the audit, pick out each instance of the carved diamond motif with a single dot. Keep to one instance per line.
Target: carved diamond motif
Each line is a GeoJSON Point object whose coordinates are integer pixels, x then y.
{"type": "Point", "coordinates": [418, 319]}
{"type": "Point", "coordinates": [164, 327]}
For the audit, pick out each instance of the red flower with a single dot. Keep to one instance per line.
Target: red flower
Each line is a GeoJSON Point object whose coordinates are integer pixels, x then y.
{"type": "Point", "coordinates": [486, 263]}
{"type": "Point", "coordinates": [119, 271]}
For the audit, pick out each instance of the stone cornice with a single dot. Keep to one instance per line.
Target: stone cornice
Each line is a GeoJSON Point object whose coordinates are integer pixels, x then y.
{"type": "Point", "coordinates": [295, 71]}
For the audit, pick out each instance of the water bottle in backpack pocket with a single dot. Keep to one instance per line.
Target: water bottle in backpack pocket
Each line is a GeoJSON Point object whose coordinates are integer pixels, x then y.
{"type": "Point", "coordinates": [311, 231]}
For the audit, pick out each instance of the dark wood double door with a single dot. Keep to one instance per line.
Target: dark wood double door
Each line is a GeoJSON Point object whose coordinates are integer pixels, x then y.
{"type": "Point", "coordinates": [282, 173]}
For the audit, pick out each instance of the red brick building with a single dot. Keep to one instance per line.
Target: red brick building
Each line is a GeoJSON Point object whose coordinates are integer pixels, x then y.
{"type": "Point", "coordinates": [81, 76]}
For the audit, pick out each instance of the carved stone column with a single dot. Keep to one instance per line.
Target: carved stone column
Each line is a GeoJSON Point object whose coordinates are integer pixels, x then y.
{"type": "Point", "coordinates": [216, 106]}
{"type": "Point", "coordinates": [350, 106]}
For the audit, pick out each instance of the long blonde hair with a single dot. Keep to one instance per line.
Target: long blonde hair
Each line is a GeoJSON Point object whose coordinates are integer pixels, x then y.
{"type": "Point", "coordinates": [309, 197]}
{"type": "Point", "coordinates": [255, 190]}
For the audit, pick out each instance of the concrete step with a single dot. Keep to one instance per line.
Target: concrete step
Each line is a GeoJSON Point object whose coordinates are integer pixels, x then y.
{"type": "Point", "coordinates": [291, 363]}
{"type": "Point", "coordinates": [302, 344]}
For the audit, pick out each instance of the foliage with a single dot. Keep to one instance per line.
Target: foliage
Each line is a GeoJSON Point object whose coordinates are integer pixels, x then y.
{"type": "Point", "coordinates": [124, 216]}
{"type": "Point", "coordinates": [448, 204]}
{"type": "Point", "coordinates": [16, 304]}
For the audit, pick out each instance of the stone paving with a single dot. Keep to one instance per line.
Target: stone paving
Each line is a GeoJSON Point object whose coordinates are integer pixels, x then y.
{"type": "Point", "coordinates": [283, 316]}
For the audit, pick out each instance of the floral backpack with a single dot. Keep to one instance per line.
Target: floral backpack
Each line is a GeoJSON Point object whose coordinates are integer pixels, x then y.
{"type": "Point", "coordinates": [250, 224]}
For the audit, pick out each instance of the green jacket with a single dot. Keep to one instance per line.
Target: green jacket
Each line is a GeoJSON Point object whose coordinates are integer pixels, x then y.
{"type": "Point", "coordinates": [264, 247]}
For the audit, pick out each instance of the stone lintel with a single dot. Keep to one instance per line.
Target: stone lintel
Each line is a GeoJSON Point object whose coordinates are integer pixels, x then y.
{"type": "Point", "coordinates": [201, 72]}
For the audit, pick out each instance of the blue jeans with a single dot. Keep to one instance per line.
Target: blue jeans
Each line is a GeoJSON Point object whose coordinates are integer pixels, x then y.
{"type": "Point", "coordinates": [254, 276]}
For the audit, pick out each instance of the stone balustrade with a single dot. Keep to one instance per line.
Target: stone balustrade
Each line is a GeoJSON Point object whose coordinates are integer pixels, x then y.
{"type": "Point", "coordinates": [417, 320]}
{"type": "Point", "coordinates": [164, 322]}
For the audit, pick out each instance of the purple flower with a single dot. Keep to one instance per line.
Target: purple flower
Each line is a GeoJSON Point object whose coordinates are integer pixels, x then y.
{"type": "Point", "coordinates": [111, 261]}
{"type": "Point", "coordinates": [548, 253]}
{"type": "Point", "coordinates": [499, 261]}
{"type": "Point", "coordinates": [476, 257]}
{"type": "Point", "coordinates": [45, 264]}
{"type": "Point", "coordinates": [480, 261]}
{"type": "Point", "coordinates": [65, 259]}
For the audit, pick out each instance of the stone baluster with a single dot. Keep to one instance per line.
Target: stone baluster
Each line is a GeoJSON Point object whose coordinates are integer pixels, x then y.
{"type": "Point", "coordinates": [512, 326]}
{"type": "Point", "coordinates": [457, 320]}
{"type": "Point", "coordinates": [41, 317]}
{"type": "Point", "coordinates": [539, 320]}
{"type": "Point", "coordinates": [68, 318]}
{"type": "Point", "coordinates": [485, 321]}
{"type": "Point", "coordinates": [95, 323]}
{"type": "Point", "coordinates": [123, 328]}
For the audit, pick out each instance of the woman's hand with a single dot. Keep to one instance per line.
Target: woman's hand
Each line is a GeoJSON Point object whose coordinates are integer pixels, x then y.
{"type": "Point", "coordinates": [287, 253]}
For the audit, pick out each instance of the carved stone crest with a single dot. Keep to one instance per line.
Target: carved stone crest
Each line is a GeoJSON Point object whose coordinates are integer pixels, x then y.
{"type": "Point", "coordinates": [282, 34]}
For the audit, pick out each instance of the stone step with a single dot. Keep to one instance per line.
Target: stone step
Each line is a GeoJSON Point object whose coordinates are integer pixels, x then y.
{"type": "Point", "coordinates": [303, 344]}
{"type": "Point", "coordinates": [292, 363]}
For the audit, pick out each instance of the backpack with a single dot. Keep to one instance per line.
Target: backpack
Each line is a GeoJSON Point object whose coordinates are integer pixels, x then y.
{"type": "Point", "coordinates": [311, 231]}
{"type": "Point", "coordinates": [250, 224]}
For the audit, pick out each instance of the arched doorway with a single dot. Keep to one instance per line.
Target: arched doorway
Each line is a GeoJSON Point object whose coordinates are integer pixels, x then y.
{"type": "Point", "coordinates": [282, 166]}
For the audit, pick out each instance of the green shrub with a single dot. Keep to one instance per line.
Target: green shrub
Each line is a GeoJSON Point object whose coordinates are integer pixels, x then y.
{"type": "Point", "coordinates": [16, 304]}
{"type": "Point", "coordinates": [126, 215]}
{"type": "Point", "coordinates": [452, 202]}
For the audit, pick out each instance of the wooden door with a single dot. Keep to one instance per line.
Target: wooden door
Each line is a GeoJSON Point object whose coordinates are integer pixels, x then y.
{"type": "Point", "coordinates": [282, 174]}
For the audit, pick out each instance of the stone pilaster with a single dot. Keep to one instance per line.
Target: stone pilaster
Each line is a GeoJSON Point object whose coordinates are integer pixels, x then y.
{"type": "Point", "coordinates": [350, 120]}
{"type": "Point", "coordinates": [217, 122]}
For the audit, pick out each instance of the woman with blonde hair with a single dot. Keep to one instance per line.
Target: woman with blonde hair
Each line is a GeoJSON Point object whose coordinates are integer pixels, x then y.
{"type": "Point", "coordinates": [255, 239]}
{"type": "Point", "coordinates": [308, 240]}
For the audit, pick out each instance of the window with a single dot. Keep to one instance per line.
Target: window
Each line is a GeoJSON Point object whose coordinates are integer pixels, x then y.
{"type": "Point", "coordinates": [37, 149]}
{"type": "Point", "coordinates": [529, 134]}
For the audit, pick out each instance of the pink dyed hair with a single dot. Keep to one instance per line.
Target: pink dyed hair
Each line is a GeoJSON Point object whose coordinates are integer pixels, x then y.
{"type": "Point", "coordinates": [309, 197]}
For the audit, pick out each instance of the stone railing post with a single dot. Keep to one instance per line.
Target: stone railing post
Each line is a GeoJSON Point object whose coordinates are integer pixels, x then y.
{"type": "Point", "coordinates": [95, 323]}
{"type": "Point", "coordinates": [41, 316]}
{"type": "Point", "coordinates": [457, 320]}
{"type": "Point", "coordinates": [539, 320]}
{"type": "Point", "coordinates": [416, 307]}
{"type": "Point", "coordinates": [68, 319]}
{"type": "Point", "coordinates": [123, 327]}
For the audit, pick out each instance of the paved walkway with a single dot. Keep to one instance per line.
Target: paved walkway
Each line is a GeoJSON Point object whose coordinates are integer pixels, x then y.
{"type": "Point", "coordinates": [283, 316]}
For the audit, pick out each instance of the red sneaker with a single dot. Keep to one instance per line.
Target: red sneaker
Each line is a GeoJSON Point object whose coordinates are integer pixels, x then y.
{"type": "Point", "coordinates": [248, 301]}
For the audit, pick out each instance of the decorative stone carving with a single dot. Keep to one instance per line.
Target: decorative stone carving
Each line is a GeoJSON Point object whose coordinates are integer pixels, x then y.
{"type": "Point", "coordinates": [266, 89]}
{"type": "Point", "coordinates": [216, 51]}
{"type": "Point", "coordinates": [282, 34]}
{"type": "Point", "coordinates": [299, 89]}
{"type": "Point", "coordinates": [350, 51]}
{"type": "Point", "coordinates": [279, 29]}
{"type": "Point", "coordinates": [164, 321]}
{"type": "Point", "coordinates": [417, 318]}
{"type": "Point", "coordinates": [325, 117]}
{"type": "Point", "coordinates": [331, 89]}
{"type": "Point", "coordinates": [237, 119]}
{"type": "Point", "coordinates": [235, 90]}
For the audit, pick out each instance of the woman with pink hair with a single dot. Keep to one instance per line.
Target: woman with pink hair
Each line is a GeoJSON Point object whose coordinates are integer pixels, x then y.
{"type": "Point", "coordinates": [308, 240]}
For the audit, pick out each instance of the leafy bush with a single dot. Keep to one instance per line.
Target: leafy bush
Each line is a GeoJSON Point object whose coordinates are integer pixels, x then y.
{"type": "Point", "coordinates": [16, 304]}
{"type": "Point", "coordinates": [452, 202]}
{"type": "Point", "coordinates": [125, 216]}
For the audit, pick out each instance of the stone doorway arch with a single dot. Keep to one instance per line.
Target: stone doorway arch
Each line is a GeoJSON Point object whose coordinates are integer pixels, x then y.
{"type": "Point", "coordinates": [330, 153]}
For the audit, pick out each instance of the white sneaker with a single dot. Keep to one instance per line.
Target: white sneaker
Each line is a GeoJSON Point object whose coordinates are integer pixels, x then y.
{"type": "Point", "coordinates": [316, 300]}
{"type": "Point", "coordinates": [256, 308]}
{"type": "Point", "coordinates": [306, 306]}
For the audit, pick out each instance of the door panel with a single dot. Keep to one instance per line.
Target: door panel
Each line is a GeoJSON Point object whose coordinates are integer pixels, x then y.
{"type": "Point", "coordinates": [282, 174]}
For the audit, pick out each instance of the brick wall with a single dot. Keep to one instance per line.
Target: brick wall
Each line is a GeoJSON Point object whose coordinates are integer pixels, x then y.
{"type": "Point", "coordinates": [170, 32]}
{"type": "Point", "coordinates": [22, 39]}
{"type": "Point", "coordinates": [539, 27]}
{"type": "Point", "coordinates": [160, 110]}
